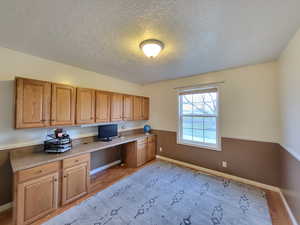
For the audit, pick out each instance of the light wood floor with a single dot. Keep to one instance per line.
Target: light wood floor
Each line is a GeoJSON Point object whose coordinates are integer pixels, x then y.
{"type": "Point", "coordinates": [110, 176]}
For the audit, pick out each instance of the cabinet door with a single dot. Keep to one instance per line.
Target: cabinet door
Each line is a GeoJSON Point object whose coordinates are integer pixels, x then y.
{"type": "Point", "coordinates": [63, 105]}
{"type": "Point", "coordinates": [85, 108]}
{"type": "Point", "coordinates": [151, 151]}
{"type": "Point", "coordinates": [32, 103]}
{"type": "Point", "coordinates": [36, 198]}
{"type": "Point", "coordinates": [128, 107]}
{"type": "Point", "coordinates": [141, 154]}
{"type": "Point", "coordinates": [137, 108]}
{"type": "Point", "coordinates": [103, 107]}
{"type": "Point", "coordinates": [116, 107]}
{"type": "Point", "coordinates": [145, 109]}
{"type": "Point", "coordinates": [75, 182]}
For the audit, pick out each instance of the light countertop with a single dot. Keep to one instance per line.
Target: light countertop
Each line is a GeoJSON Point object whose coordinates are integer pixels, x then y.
{"type": "Point", "coordinates": [21, 160]}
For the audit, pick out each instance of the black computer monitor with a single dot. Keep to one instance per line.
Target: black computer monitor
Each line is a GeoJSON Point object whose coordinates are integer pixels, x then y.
{"type": "Point", "coordinates": [106, 132]}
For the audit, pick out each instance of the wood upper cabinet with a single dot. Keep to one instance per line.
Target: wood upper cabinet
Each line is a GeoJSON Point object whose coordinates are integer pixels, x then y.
{"type": "Point", "coordinates": [103, 101]}
{"type": "Point", "coordinates": [116, 107]}
{"type": "Point", "coordinates": [32, 103]}
{"type": "Point", "coordinates": [145, 108]}
{"type": "Point", "coordinates": [44, 104]}
{"type": "Point", "coordinates": [137, 108]}
{"type": "Point", "coordinates": [127, 107]}
{"type": "Point", "coordinates": [85, 106]}
{"type": "Point", "coordinates": [36, 198]}
{"type": "Point", "coordinates": [63, 105]}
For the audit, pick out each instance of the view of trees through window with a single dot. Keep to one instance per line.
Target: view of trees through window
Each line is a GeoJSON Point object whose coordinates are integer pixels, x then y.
{"type": "Point", "coordinates": [199, 117]}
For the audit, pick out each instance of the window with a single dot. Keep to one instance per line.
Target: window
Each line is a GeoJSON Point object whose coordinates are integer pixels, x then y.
{"type": "Point", "coordinates": [198, 118]}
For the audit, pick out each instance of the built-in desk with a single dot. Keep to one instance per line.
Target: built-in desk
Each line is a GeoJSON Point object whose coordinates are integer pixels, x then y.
{"type": "Point", "coordinates": [44, 182]}
{"type": "Point", "coordinates": [21, 160]}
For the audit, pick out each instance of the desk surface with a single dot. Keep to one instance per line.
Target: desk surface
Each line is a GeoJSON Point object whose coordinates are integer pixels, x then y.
{"type": "Point", "coordinates": [21, 160]}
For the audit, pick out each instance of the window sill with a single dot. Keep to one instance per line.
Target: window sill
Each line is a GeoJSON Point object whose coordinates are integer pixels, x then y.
{"type": "Point", "coordinates": [214, 148]}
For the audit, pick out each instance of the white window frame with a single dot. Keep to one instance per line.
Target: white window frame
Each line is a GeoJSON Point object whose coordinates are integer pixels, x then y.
{"type": "Point", "coordinates": [180, 140]}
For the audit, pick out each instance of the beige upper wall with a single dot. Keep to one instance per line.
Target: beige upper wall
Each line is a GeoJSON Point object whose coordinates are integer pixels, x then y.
{"type": "Point", "coordinates": [248, 103]}
{"type": "Point", "coordinates": [289, 96]}
{"type": "Point", "coordinates": [18, 64]}
{"type": "Point", "coordinates": [249, 106]}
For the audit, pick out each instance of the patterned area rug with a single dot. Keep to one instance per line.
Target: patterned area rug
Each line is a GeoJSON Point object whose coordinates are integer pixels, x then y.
{"type": "Point", "coordinates": [164, 193]}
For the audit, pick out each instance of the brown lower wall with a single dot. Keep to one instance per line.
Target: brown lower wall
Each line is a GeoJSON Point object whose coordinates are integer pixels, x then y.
{"type": "Point", "coordinates": [5, 178]}
{"type": "Point", "coordinates": [258, 161]}
{"type": "Point", "coordinates": [290, 181]}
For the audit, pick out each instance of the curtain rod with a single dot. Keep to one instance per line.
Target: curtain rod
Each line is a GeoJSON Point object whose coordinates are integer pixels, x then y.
{"type": "Point", "coordinates": [199, 85]}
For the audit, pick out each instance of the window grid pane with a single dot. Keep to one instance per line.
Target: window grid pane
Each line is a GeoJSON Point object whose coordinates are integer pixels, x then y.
{"type": "Point", "coordinates": [199, 129]}
{"type": "Point", "coordinates": [199, 118]}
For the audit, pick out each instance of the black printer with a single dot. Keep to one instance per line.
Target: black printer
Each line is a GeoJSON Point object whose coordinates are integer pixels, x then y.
{"type": "Point", "coordinates": [58, 142]}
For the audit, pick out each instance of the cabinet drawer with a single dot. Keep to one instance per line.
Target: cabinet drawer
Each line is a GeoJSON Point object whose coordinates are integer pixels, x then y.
{"type": "Point", "coordinates": [142, 145]}
{"type": "Point", "coordinates": [75, 160]}
{"type": "Point", "coordinates": [142, 141]}
{"type": "Point", "coordinates": [38, 171]}
{"type": "Point", "coordinates": [151, 139]}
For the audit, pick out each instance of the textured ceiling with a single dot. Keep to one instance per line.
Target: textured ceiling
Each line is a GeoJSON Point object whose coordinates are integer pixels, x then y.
{"type": "Point", "coordinates": [104, 36]}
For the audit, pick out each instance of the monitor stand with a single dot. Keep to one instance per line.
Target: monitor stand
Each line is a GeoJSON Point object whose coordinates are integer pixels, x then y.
{"type": "Point", "coordinates": [106, 139]}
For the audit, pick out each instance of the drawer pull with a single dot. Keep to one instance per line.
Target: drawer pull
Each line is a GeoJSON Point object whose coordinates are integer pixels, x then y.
{"type": "Point", "coordinates": [76, 160]}
{"type": "Point", "coordinates": [40, 171]}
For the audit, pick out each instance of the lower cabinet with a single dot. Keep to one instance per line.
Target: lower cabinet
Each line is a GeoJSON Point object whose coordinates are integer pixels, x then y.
{"type": "Point", "coordinates": [151, 151]}
{"type": "Point", "coordinates": [40, 190]}
{"type": "Point", "coordinates": [138, 153]}
{"type": "Point", "coordinates": [75, 182]}
{"type": "Point", "coordinates": [141, 153]}
{"type": "Point", "coordinates": [37, 198]}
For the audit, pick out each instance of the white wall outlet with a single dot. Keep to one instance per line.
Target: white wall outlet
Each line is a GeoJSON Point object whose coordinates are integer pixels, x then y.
{"type": "Point", "coordinates": [224, 164]}
{"type": "Point", "coordinates": [160, 149]}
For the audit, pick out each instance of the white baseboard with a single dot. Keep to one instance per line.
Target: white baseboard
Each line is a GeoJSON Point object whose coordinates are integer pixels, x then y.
{"type": "Point", "coordinates": [221, 174]}
{"type": "Point", "coordinates": [5, 207]}
{"type": "Point", "coordinates": [99, 169]}
{"type": "Point", "coordinates": [288, 209]}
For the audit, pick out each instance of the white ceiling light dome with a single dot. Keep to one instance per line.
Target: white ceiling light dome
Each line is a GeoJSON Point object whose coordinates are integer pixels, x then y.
{"type": "Point", "coordinates": [151, 47]}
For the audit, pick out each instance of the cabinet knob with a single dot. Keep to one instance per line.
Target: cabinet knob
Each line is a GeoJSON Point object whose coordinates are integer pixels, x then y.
{"type": "Point", "coordinates": [55, 180]}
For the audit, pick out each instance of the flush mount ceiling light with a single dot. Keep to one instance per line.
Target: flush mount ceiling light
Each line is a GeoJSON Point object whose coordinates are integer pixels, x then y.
{"type": "Point", "coordinates": [151, 47]}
